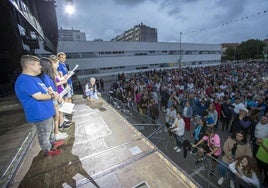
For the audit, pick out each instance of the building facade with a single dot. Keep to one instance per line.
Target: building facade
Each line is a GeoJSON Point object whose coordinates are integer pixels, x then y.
{"type": "Point", "coordinates": [109, 58]}
{"type": "Point", "coordinates": [139, 33]}
{"type": "Point", "coordinates": [71, 35]}
{"type": "Point", "coordinates": [27, 26]}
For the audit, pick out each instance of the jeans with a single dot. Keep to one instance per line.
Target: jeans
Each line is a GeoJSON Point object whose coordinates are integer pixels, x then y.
{"type": "Point", "coordinates": [179, 140]}
{"type": "Point", "coordinates": [223, 168]}
{"type": "Point", "coordinates": [45, 132]}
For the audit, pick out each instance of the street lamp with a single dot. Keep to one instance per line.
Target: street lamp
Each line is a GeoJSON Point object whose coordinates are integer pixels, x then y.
{"type": "Point", "coordinates": [180, 49]}
{"type": "Point", "coordinates": [69, 8]}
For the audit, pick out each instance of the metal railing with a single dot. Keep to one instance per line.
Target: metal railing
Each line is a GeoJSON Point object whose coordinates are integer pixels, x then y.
{"type": "Point", "coordinates": [158, 134]}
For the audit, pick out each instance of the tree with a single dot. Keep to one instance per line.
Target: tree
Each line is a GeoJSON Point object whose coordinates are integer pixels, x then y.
{"type": "Point", "coordinates": [251, 49]}
{"type": "Point", "coordinates": [229, 54]}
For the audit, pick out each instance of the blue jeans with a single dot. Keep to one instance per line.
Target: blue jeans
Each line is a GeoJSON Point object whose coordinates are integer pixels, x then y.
{"type": "Point", "coordinates": [223, 168]}
{"type": "Point", "coordinates": [92, 95]}
{"type": "Point", "coordinates": [45, 132]}
{"type": "Point", "coordinates": [179, 140]}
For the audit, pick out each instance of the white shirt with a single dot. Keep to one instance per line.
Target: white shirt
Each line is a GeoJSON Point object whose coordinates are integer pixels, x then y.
{"type": "Point", "coordinates": [261, 131]}
{"type": "Point", "coordinates": [180, 126]}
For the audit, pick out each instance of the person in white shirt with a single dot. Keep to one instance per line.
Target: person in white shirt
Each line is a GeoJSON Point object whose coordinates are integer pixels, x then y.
{"type": "Point", "coordinates": [178, 128]}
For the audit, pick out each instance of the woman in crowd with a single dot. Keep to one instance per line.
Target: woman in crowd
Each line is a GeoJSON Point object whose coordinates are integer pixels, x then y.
{"type": "Point", "coordinates": [245, 169]}
{"type": "Point", "coordinates": [233, 148]}
{"type": "Point", "coordinates": [187, 115]}
{"type": "Point", "coordinates": [210, 144]}
{"type": "Point", "coordinates": [199, 131]}
{"type": "Point", "coordinates": [212, 113]}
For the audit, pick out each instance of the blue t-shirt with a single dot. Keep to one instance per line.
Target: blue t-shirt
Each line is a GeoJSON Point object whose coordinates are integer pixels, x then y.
{"type": "Point", "coordinates": [62, 67]}
{"type": "Point", "coordinates": [49, 82]}
{"type": "Point", "coordinates": [35, 110]}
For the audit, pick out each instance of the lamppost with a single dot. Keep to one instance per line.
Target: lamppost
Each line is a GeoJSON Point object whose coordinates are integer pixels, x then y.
{"type": "Point", "coordinates": [180, 49]}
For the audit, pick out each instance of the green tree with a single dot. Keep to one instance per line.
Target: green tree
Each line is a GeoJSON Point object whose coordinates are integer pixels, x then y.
{"type": "Point", "coordinates": [229, 54]}
{"type": "Point", "coordinates": [250, 49]}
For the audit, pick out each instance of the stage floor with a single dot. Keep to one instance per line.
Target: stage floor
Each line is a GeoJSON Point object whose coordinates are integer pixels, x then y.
{"type": "Point", "coordinates": [102, 150]}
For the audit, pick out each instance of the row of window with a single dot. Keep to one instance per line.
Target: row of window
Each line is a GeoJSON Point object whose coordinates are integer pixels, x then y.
{"type": "Point", "coordinates": [123, 53]}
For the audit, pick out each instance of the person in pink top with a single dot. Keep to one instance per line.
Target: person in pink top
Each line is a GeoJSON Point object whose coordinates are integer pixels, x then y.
{"type": "Point", "coordinates": [210, 144]}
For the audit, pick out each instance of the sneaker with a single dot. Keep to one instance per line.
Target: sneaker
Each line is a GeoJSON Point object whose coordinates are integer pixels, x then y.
{"type": "Point", "coordinates": [67, 123]}
{"type": "Point", "coordinates": [53, 152]}
{"type": "Point", "coordinates": [60, 136]}
{"type": "Point", "coordinates": [66, 126]}
{"type": "Point", "coordinates": [63, 133]}
{"type": "Point", "coordinates": [176, 147]}
{"type": "Point", "coordinates": [57, 144]}
{"type": "Point", "coordinates": [200, 159]}
{"type": "Point", "coordinates": [220, 181]}
{"type": "Point", "coordinates": [232, 184]}
{"type": "Point", "coordinates": [178, 150]}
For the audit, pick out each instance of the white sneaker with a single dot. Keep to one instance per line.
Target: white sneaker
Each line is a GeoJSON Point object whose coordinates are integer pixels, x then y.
{"type": "Point", "coordinates": [176, 147]}
{"type": "Point", "coordinates": [220, 181]}
{"type": "Point", "coordinates": [178, 150]}
{"type": "Point", "coordinates": [232, 184]}
{"type": "Point", "coordinates": [63, 133]}
{"type": "Point", "coordinates": [60, 136]}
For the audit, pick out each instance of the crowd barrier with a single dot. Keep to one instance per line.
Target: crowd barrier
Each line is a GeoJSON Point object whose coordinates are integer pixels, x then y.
{"type": "Point", "coordinates": [158, 134]}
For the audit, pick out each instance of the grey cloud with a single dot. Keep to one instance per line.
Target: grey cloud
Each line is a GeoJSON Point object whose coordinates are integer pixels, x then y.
{"type": "Point", "coordinates": [129, 2]}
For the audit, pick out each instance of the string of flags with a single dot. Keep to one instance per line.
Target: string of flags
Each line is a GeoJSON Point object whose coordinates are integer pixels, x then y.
{"type": "Point", "coordinates": [228, 22]}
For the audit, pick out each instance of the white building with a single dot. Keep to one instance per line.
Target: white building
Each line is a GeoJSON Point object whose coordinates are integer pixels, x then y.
{"type": "Point", "coordinates": [109, 58]}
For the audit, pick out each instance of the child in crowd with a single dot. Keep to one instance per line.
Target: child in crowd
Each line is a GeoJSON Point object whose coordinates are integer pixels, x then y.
{"type": "Point", "coordinates": [245, 169]}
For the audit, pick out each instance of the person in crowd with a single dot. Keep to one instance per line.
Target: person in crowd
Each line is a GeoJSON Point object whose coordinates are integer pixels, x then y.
{"type": "Point", "coordinates": [153, 110]}
{"type": "Point", "coordinates": [260, 107]}
{"type": "Point", "coordinates": [202, 106]}
{"type": "Point", "coordinates": [210, 144]}
{"type": "Point", "coordinates": [143, 104]}
{"type": "Point", "coordinates": [170, 117]}
{"type": "Point", "coordinates": [245, 168]}
{"type": "Point", "coordinates": [241, 122]}
{"type": "Point", "coordinates": [234, 147]}
{"type": "Point", "coordinates": [212, 113]}
{"type": "Point", "coordinates": [226, 114]}
{"type": "Point", "coordinates": [101, 84]}
{"type": "Point", "coordinates": [64, 71]}
{"type": "Point", "coordinates": [187, 115]}
{"type": "Point", "coordinates": [37, 103]}
{"type": "Point", "coordinates": [199, 132]}
{"type": "Point", "coordinates": [262, 159]}
{"type": "Point", "coordinates": [48, 77]}
{"type": "Point", "coordinates": [260, 132]}
{"type": "Point", "coordinates": [60, 81]}
{"type": "Point", "coordinates": [178, 128]}
{"type": "Point", "coordinates": [91, 90]}
{"type": "Point", "coordinates": [164, 97]}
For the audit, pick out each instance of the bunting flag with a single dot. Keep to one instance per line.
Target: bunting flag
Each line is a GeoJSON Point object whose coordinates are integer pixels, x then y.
{"type": "Point", "coordinates": [242, 19]}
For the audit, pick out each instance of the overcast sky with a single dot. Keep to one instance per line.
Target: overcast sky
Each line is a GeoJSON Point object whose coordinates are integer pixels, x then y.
{"type": "Point", "coordinates": [200, 21]}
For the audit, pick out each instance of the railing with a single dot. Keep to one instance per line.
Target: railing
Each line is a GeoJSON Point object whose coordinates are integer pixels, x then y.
{"type": "Point", "coordinates": [157, 133]}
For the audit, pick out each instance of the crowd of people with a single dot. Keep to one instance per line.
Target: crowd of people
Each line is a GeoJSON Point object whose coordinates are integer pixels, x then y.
{"type": "Point", "coordinates": [228, 98]}
{"type": "Point", "coordinates": [41, 89]}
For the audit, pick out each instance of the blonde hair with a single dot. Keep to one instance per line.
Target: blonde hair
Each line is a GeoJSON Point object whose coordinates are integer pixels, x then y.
{"type": "Point", "coordinates": [53, 58]}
